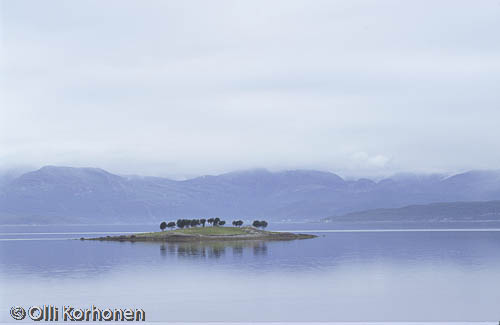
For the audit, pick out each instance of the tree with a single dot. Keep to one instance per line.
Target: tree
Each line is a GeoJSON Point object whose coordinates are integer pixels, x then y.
{"type": "Point", "coordinates": [234, 223]}
{"type": "Point", "coordinates": [180, 223]}
{"type": "Point", "coordinates": [171, 224]}
{"type": "Point", "coordinates": [193, 223]}
{"type": "Point", "coordinates": [260, 224]}
{"type": "Point", "coordinates": [202, 221]}
{"type": "Point", "coordinates": [210, 221]}
{"type": "Point", "coordinates": [216, 221]}
{"type": "Point", "coordinates": [222, 222]}
{"type": "Point", "coordinates": [163, 225]}
{"type": "Point", "coordinates": [256, 224]}
{"type": "Point", "coordinates": [239, 223]}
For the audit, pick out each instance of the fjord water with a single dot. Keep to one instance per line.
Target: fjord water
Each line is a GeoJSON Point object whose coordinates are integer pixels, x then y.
{"type": "Point", "coordinates": [340, 276]}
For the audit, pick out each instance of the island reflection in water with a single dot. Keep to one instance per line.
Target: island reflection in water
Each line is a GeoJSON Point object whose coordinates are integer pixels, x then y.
{"type": "Point", "coordinates": [207, 249]}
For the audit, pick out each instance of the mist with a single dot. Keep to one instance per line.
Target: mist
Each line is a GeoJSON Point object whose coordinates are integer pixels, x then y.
{"type": "Point", "coordinates": [181, 89]}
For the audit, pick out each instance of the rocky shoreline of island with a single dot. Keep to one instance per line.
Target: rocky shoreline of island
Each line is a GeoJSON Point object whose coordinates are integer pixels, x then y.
{"type": "Point", "coordinates": [205, 234]}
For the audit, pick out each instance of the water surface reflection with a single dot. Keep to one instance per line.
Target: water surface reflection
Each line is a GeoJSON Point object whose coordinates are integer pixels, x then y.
{"type": "Point", "coordinates": [425, 276]}
{"type": "Point", "coordinates": [204, 250]}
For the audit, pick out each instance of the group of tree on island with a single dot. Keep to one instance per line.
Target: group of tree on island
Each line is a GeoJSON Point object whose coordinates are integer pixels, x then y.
{"type": "Point", "coordinates": [215, 222]}
{"type": "Point", "coordinates": [237, 223]}
{"type": "Point", "coordinates": [259, 224]}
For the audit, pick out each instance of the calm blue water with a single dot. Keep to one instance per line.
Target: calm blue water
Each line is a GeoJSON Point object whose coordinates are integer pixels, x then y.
{"type": "Point", "coordinates": [340, 276]}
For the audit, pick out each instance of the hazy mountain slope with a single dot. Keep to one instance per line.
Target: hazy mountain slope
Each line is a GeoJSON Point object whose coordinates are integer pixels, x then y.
{"type": "Point", "coordinates": [8, 175]}
{"type": "Point", "coordinates": [448, 211]}
{"type": "Point", "coordinates": [92, 195]}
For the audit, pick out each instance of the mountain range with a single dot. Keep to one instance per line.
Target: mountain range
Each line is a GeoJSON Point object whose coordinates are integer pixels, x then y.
{"type": "Point", "coordinates": [91, 195]}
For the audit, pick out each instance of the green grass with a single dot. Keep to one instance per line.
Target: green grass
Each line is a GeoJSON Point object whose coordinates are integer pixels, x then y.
{"type": "Point", "coordinates": [212, 231]}
{"type": "Point", "coordinates": [207, 231]}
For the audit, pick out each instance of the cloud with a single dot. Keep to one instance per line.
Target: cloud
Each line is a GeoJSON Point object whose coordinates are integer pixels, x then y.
{"type": "Point", "coordinates": [185, 88]}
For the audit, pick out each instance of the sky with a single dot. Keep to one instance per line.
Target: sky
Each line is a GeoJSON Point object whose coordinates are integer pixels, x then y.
{"type": "Point", "coordinates": [186, 88]}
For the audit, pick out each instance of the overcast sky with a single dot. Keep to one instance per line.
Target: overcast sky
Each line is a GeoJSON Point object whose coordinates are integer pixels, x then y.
{"type": "Point", "coordinates": [183, 88]}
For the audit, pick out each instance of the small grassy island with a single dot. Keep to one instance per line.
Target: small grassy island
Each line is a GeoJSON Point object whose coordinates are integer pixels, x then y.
{"type": "Point", "coordinates": [206, 234]}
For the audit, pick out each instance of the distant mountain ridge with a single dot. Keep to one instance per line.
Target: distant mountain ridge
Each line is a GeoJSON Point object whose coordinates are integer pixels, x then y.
{"type": "Point", "coordinates": [92, 195]}
{"type": "Point", "coordinates": [434, 212]}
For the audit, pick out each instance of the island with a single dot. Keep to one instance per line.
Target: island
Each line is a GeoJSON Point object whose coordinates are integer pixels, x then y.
{"type": "Point", "coordinates": [205, 234]}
